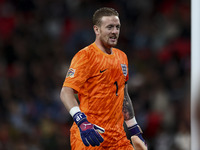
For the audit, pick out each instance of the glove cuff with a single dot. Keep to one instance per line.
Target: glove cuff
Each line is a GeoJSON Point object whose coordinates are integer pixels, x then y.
{"type": "Point", "coordinates": [135, 130]}
{"type": "Point", "coordinates": [79, 118]}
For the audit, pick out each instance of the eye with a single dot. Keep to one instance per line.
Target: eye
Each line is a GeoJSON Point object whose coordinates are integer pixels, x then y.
{"type": "Point", "coordinates": [109, 27]}
{"type": "Point", "coordinates": [118, 27]}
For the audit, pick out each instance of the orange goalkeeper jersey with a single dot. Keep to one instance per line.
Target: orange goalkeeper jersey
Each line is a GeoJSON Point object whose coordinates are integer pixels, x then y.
{"type": "Point", "coordinates": [99, 79]}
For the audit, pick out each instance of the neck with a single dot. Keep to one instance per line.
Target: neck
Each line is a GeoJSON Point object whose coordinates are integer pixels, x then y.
{"type": "Point", "coordinates": [105, 49]}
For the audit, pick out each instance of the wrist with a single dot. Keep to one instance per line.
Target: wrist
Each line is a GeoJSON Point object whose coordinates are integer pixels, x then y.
{"type": "Point", "coordinates": [131, 122]}
{"type": "Point", "coordinates": [79, 118]}
{"type": "Point", "coordinates": [74, 110]}
{"type": "Point", "coordinates": [135, 130]}
{"type": "Point", "coordinates": [77, 115]}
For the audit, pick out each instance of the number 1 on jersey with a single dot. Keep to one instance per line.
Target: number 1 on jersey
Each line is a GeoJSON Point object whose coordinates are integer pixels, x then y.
{"type": "Point", "coordinates": [116, 88]}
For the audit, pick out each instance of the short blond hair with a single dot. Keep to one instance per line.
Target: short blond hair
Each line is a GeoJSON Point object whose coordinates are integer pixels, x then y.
{"type": "Point", "coordinates": [104, 11]}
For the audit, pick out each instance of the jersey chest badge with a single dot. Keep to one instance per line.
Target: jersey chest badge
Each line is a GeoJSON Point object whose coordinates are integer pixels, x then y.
{"type": "Point", "coordinates": [124, 69]}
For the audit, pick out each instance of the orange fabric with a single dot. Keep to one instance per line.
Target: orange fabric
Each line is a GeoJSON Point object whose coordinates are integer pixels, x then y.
{"type": "Point", "coordinates": [77, 144]}
{"type": "Point", "coordinates": [99, 80]}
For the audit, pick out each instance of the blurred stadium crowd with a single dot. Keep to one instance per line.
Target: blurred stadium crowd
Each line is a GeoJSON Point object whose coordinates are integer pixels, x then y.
{"type": "Point", "coordinates": [38, 39]}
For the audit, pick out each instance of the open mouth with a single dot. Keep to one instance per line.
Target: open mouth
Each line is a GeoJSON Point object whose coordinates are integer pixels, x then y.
{"type": "Point", "coordinates": [113, 38]}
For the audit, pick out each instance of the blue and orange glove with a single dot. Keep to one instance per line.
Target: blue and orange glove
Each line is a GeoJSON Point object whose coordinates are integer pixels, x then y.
{"type": "Point", "coordinates": [89, 132]}
{"type": "Point", "coordinates": [136, 130]}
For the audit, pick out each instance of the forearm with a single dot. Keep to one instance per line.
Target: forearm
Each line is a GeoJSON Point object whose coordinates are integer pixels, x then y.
{"type": "Point", "coordinates": [68, 98]}
{"type": "Point", "coordinates": [128, 110]}
{"type": "Point", "coordinates": [129, 116]}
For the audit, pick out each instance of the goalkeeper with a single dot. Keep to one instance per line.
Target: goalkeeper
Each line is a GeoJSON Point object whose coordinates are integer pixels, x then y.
{"type": "Point", "coordinates": [99, 74]}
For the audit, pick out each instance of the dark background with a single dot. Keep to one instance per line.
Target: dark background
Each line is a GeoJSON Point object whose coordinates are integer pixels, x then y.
{"type": "Point", "coordinates": [38, 39]}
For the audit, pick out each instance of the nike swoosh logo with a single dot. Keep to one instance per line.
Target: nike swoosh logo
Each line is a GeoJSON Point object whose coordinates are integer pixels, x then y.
{"type": "Point", "coordinates": [101, 71]}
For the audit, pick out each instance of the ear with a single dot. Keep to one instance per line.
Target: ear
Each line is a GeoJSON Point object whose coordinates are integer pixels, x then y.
{"type": "Point", "coordinates": [96, 29]}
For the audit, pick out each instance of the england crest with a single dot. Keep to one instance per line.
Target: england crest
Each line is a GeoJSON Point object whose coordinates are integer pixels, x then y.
{"type": "Point", "coordinates": [124, 69]}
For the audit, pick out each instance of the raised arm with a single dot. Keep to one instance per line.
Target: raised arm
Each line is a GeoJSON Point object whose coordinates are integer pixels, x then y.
{"type": "Point", "coordinates": [129, 116]}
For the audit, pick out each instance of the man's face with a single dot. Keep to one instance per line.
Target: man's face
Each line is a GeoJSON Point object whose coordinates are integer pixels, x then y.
{"type": "Point", "coordinates": [109, 31]}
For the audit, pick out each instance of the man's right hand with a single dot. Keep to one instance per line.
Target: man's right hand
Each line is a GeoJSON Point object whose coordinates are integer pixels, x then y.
{"type": "Point", "coordinates": [89, 132]}
{"type": "Point", "coordinates": [138, 144]}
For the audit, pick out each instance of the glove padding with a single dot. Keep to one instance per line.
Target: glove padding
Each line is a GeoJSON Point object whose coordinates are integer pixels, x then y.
{"type": "Point", "coordinates": [89, 132]}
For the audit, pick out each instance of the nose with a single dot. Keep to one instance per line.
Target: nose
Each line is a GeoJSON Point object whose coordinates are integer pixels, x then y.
{"type": "Point", "coordinates": [115, 30]}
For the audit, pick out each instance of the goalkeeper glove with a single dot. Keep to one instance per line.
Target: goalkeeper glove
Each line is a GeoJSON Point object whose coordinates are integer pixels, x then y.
{"type": "Point", "coordinates": [136, 130]}
{"type": "Point", "coordinates": [89, 132]}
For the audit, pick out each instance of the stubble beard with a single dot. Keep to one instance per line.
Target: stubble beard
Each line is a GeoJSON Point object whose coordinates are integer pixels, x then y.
{"type": "Point", "coordinates": [106, 43]}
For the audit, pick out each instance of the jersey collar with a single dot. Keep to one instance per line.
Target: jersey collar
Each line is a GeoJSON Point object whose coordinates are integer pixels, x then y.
{"type": "Point", "coordinates": [107, 55]}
